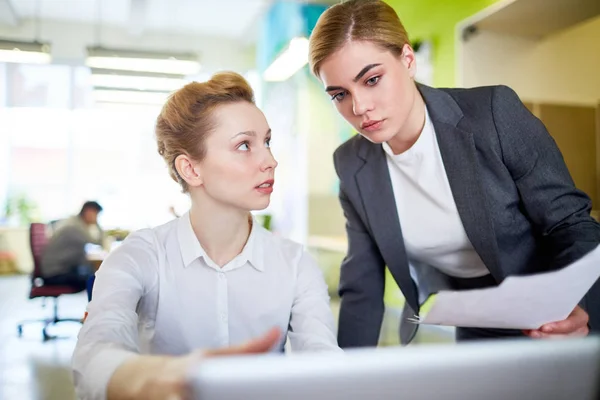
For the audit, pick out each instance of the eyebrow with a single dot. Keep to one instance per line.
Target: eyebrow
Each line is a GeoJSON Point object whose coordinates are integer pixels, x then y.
{"type": "Point", "coordinates": [248, 133]}
{"type": "Point", "coordinates": [356, 78]}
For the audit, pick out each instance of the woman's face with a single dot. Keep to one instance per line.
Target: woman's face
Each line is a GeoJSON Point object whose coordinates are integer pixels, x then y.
{"type": "Point", "coordinates": [371, 88]}
{"type": "Point", "coordinates": [238, 168]}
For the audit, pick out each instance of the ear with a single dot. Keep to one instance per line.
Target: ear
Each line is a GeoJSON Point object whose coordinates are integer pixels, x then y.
{"type": "Point", "coordinates": [187, 171]}
{"type": "Point", "coordinates": [409, 60]}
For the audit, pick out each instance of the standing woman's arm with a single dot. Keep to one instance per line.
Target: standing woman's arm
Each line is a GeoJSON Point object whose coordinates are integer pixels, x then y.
{"type": "Point", "coordinates": [362, 283]}
{"type": "Point", "coordinates": [559, 211]}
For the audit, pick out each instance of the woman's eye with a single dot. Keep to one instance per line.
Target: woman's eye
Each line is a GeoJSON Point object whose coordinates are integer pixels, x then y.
{"type": "Point", "coordinates": [268, 143]}
{"type": "Point", "coordinates": [244, 146]}
{"type": "Point", "coordinates": [373, 81]}
{"type": "Point", "coordinates": [338, 96]}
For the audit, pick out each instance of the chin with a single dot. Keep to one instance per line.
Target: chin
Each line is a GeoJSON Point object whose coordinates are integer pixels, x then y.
{"type": "Point", "coordinates": [260, 208]}
{"type": "Point", "coordinates": [259, 205]}
{"type": "Point", "coordinates": [377, 137]}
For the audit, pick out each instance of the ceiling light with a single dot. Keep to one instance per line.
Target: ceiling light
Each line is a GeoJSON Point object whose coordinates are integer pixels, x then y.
{"type": "Point", "coordinates": [142, 61]}
{"type": "Point", "coordinates": [136, 80]}
{"type": "Point", "coordinates": [108, 95]}
{"type": "Point", "coordinates": [294, 57]}
{"type": "Point", "coordinates": [24, 52]}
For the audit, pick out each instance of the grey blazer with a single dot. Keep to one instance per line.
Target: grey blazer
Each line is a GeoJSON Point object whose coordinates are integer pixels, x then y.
{"type": "Point", "coordinates": [515, 196]}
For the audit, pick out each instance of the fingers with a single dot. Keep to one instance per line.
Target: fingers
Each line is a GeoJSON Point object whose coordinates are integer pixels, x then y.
{"type": "Point", "coordinates": [574, 326]}
{"type": "Point", "coordinates": [264, 343]}
{"type": "Point", "coordinates": [574, 323]}
{"type": "Point", "coordinates": [536, 334]}
{"type": "Point", "coordinates": [258, 345]}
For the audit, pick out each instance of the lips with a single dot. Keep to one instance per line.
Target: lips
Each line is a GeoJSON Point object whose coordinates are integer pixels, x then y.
{"type": "Point", "coordinates": [368, 124]}
{"type": "Point", "coordinates": [372, 125]}
{"type": "Point", "coordinates": [266, 187]}
{"type": "Point", "coordinates": [266, 184]}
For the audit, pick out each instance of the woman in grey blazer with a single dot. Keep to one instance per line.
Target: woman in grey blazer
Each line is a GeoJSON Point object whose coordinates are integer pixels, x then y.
{"type": "Point", "coordinates": [454, 188]}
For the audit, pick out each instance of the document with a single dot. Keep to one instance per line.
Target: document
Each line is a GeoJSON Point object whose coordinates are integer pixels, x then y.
{"type": "Point", "coordinates": [519, 302]}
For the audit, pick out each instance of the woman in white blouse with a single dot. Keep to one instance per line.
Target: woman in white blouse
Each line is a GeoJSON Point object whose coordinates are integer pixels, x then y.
{"type": "Point", "coordinates": [212, 278]}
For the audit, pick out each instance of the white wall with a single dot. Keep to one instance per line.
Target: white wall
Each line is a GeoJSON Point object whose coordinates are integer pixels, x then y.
{"type": "Point", "coordinates": [324, 130]}
{"type": "Point", "coordinates": [289, 200]}
{"type": "Point", "coordinates": [4, 143]}
{"type": "Point", "coordinates": [69, 41]}
{"type": "Point", "coordinates": [562, 68]}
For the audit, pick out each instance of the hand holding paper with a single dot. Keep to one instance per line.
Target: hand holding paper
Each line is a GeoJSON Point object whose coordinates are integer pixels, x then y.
{"type": "Point", "coordinates": [576, 324]}
{"type": "Point", "coordinates": [520, 302]}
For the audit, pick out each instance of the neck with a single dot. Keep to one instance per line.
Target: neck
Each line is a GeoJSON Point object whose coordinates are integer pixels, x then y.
{"type": "Point", "coordinates": [412, 128]}
{"type": "Point", "coordinates": [222, 231]}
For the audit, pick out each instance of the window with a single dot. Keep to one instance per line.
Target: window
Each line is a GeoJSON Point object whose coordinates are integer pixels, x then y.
{"type": "Point", "coordinates": [59, 149]}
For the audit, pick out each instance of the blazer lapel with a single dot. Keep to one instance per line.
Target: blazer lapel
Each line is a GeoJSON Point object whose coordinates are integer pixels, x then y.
{"type": "Point", "coordinates": [457, 148]}
{"type": "Point", "coordinates": [374, 183]}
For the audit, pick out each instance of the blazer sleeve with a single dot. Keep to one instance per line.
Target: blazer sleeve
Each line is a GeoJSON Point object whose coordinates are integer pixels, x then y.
{"type": "Point", "coordinates": [559, 211]}
{"type": "Point", "coordinates": [362, 282]}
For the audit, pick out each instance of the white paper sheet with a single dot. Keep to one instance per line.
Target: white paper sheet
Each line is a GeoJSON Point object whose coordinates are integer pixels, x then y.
{"type": "Point", "coordinates": [520, 302]}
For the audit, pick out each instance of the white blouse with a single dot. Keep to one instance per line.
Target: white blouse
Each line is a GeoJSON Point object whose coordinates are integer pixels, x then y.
{"type": "Point", "coordinates": [159, 293]}
{"type": "Point", "coordinates": [432, 230]}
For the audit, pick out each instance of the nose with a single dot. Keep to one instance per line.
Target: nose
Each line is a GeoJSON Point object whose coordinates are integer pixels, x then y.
{"type": "Point", "coordinates": [361, 104]}
{"type": "Point", "coordinates": [269, 161]}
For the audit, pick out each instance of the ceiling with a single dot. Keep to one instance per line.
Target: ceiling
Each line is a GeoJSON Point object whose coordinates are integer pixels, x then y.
{"type": "Point", "coordinates": [539, 18]}
{"type": "Point", "coordinates": [234, 19]}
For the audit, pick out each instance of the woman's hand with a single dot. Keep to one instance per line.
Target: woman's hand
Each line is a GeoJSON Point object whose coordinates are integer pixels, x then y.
{"type": "Point", "coordinates": [166, 378]}
{"type": "Point", "coordinates": [575, 325]}
{"type": "Point", "coordinates": [169, 381]}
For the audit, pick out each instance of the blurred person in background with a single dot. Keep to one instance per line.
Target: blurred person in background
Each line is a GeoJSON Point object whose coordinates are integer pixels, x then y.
{"type": "Point", "coordinates": [450, 188]}
{"type": "Point", "coordinates": [211, 279]}
{"type": "Point", "coordinates": [64, 259]}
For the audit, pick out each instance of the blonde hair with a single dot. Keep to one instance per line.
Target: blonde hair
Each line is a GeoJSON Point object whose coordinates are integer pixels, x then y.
{"type": "Point", "coordinates": [186, 119]}
{"type": "Point", "coordinates": [355, 20]}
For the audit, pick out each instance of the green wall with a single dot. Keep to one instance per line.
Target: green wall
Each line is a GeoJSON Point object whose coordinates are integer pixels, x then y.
{"type": "Point", "coordinates": [435, 20]}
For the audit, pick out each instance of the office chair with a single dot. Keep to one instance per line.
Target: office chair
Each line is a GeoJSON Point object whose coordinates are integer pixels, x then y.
{"type": "Point", "coordinates": [38, 240]}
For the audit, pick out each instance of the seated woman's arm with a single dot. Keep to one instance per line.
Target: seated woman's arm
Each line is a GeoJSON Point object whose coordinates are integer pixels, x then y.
{"type": "Point", "coordinates": [109, 336]}
{"type": "Point", "coordinates": [312, 327]}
